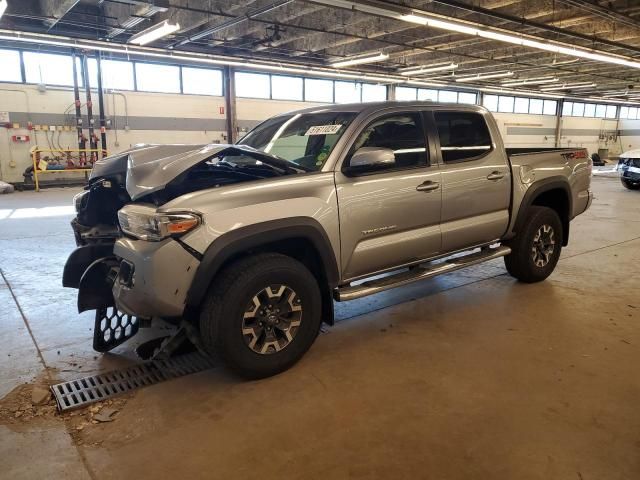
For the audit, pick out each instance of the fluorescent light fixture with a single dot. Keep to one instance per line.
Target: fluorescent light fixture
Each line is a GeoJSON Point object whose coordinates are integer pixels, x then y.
{"type": "Point", "coordinates": [529, 81]}
{"type": "Point", "coordinates": [3, 7]}
{"type": "Point", "coordinates": [428, 19]}
{"type": "Point", "coordinates": [568, 86]}
{"type": "Point", "coordinates": [379, 57]}
{"type": "Point", "coordinates": [481, 76]}
{"type": "Point", "coordinates": [422, 70]}
{"type": "Point", "coordinates": [154, 32]}
{"type": "Point", "coordinates": [414, 19]}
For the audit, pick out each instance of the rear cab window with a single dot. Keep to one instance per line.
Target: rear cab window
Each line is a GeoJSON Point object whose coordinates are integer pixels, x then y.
{"type": "Point", "coordinates": [464, 136]}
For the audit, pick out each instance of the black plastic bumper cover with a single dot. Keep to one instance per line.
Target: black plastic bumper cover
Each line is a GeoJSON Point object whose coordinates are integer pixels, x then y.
{"type": "Point", "coordinates": [95, 289]}
{"type": "Point", "coordinates": [79, 261]}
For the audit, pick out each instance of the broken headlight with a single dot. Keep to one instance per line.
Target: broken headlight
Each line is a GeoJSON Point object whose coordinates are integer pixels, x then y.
{"type": "Point", "coordinates": [146, 224]}
{"type": "Point", "coordinates": [80, 200]}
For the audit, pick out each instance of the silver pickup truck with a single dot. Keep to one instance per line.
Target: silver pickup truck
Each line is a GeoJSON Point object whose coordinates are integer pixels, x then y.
{"type": "Point", "coordinates": [250, 244]}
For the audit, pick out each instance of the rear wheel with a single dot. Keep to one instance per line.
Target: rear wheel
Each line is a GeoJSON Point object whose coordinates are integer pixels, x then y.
{"type": "Point", "coordinates": [536, 249]}
{"type": "Point", "coordinates": [261, 315]}
{"type": "Point", "coordinates": [630, 184]}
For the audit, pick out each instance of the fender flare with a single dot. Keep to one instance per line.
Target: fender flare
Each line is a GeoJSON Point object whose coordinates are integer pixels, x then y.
{"type": "Point", "coordinates": [252, 236]}
{"type": "Point", "coordinates": [538, 188]}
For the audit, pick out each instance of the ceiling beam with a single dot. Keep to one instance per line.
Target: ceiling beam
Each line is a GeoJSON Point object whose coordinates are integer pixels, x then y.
{"type": "Point", "coordinates": [55, 10]}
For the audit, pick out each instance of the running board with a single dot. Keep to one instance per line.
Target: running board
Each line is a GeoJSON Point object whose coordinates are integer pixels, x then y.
{"type": "Point", "coordinates": [418, 273]}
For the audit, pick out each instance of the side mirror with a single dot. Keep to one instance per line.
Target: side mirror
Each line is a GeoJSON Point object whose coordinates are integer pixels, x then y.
{"type": "Point", "coordinates": [367, 158]}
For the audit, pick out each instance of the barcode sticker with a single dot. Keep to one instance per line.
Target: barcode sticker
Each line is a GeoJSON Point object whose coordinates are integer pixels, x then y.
{"type": "Point", "coordinates": [323, 130]}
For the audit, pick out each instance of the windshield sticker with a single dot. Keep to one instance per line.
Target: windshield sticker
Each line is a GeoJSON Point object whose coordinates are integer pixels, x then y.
{"type": "Point", "coordinates": [323, 130]}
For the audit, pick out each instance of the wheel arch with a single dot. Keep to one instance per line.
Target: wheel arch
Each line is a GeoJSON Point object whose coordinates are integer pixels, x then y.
{"type": "Point", "coordinates": [302, 238]}
{"type": "Point", "coordinates": [554, 193]}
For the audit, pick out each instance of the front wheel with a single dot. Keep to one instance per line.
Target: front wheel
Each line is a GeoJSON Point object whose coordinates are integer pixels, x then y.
{"type": "Point", "coordinates": [536, 248]}
{"type": "Point", "coordinates": [261, 315]}
{"type": "Point", "coordinates": [630, 185]}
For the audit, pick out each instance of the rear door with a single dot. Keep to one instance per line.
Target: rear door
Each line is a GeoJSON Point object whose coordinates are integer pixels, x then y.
{"type": "Point", "coordinates": [389, 215]}
{"type": "Point", "coordinates": [476, 179]}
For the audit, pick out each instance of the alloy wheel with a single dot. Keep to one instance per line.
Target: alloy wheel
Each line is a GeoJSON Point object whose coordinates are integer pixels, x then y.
{"type": "Point", "coordinates": [543, 246]}
{"type": "Point", "coordinates": [272, 319]}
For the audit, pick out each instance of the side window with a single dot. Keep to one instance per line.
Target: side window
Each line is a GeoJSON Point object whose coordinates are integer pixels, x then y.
{"type": "Point", "coordinates": [463, 135]}
{"type": "Point", "coordinates": [401, 134]}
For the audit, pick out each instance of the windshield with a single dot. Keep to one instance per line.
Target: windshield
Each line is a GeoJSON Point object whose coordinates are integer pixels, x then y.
{"type": "Point", "coordinates": [305, 139]}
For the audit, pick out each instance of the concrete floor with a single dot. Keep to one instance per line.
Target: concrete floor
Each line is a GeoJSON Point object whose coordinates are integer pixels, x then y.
{"type": "Point", "coordinates": [471, 375]}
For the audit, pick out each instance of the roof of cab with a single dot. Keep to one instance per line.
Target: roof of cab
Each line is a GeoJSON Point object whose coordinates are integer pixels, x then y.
{"type": "Point", "coordinates": [370, 107]}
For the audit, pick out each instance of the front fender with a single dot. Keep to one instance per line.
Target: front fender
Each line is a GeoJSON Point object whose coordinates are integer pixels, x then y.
{"type": "Point", "coordinates": [95, 287]}
{"type": "Point", "coordinates": [252, 236]}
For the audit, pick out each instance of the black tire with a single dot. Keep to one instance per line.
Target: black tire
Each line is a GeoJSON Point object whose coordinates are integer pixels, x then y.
{"type": "Point", "coordinates": [521, 262]}
{"type": "Point", "coordinates": [229, 298]}
{"type": "Point", "coordinates": [629, 184]}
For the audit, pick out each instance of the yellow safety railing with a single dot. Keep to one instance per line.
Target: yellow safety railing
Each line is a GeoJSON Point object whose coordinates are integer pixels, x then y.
{"type": "Point", "coordinates": [75, 161]}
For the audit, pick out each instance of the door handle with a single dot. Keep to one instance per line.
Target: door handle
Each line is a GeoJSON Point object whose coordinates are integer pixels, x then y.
{"type": "Point", "coordinates": [428, 186]}
{"type": "Point", "coordinates": [495, 175]}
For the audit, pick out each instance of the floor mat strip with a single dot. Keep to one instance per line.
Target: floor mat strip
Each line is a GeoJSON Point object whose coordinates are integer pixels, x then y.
{"type": "Point", "coordinates": [96, 388]}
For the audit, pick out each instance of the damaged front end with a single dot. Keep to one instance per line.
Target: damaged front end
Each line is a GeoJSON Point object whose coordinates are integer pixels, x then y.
{"type": "Point", "coordinates": [148, 175]}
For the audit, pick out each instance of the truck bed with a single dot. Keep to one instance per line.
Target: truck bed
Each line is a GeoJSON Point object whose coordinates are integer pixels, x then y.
{"type": "Point", "coordinates": [531, 150]}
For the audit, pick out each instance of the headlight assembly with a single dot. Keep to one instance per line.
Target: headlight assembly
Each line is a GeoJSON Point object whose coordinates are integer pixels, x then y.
{"type": "Point", "coordinates": [145, 223]}
{"type": "Point", "coordinates": [80, 200]}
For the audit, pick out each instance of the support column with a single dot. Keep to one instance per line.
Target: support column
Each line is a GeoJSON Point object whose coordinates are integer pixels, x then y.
{"type": "Point", "coordinates": [230, 104]}
{"type": "Point", "coordinates": [103, 123]}
{"type": "Point", "coordinates": [559, 122]}
{"type": "Point", "coordinates": [93, 145]}
{"type": "Point", "coordinates": [82, 143]}
{"type": "Point", "coordinates": [391, 91]}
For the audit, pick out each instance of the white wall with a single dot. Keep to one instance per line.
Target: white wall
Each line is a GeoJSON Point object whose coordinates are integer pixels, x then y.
{"type": "Point", "coordinates": [147, 110]}
{"type": "Point", "coordinates": [171, 118]}
{"type": "Point", "coordinates": [630, 140]}
{"type": "Point", "coordinates": [591, 133]}
{"type": "Point", "coordinates": [523, 130]}
{"type": "Point", "coordinates": [152, 117]}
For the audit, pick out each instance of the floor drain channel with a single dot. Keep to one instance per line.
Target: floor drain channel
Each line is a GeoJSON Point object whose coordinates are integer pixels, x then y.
{"type": "Point", "coordinates": [96, 388]}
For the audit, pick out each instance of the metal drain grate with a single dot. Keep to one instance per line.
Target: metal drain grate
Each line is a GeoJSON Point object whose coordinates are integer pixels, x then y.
{"type": "Point", "coordinates": [87, 390]}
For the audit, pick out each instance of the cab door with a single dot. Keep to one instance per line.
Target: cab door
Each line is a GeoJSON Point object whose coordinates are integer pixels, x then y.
{"type": "Point", "coordinates": [389, 212]}
{"type": "Point", "coordinates": [476, 179]}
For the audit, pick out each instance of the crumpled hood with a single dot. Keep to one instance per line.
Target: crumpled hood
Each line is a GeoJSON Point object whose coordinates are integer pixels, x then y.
{"type": "Point", "coordinates": [150, 168]}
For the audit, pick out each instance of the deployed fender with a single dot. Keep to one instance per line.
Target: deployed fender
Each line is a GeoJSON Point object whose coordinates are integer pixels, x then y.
{"type": "Point", "coordinates": [79, 261]}
{"type": "Point", "coordinates": [94, 290]}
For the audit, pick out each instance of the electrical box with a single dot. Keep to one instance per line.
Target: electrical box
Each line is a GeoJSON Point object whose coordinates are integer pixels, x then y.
{"type": "Point", "coordinates": [52, 128]}
{"type": "Point", "coordinates": [20, 138]}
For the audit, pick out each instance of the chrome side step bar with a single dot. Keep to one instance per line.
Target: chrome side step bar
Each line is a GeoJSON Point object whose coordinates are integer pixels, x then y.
{"type": "Point", "coordinates": [421, 272]}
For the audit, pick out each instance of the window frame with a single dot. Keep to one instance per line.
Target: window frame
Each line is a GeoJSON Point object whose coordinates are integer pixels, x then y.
{"type": "Point", "coordinates": [418, 113]}
{"type": "Point", "coordinates": [191, 67]}
{"type": "Point", "coordinates": [364, 85]}
{"type": "Point", "coordinates": [268, 75]}
{"type": "Point", "coordinates": [357, 85]}
{"type": "Point", "coordinates": [23, 68]}
{"type": "Point", "coordinates": [436, 137]}
{"type": "Point", "coordinates": [302, 89]}
{"type": "Point", "coordinates": [20, 67]}
{"type": "Point", "coordinates": [136, 78]}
